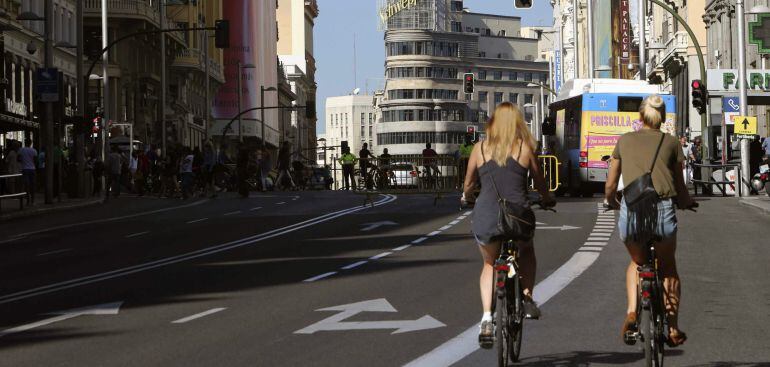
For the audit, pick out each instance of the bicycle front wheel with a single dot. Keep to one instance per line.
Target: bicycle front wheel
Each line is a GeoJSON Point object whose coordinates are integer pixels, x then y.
{"type": "Point", "coordinates": [502, 336]}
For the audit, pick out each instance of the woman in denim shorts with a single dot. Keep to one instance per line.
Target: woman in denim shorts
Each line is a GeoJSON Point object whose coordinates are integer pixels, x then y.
{"type": "Point", "coordinates": [633, 157]}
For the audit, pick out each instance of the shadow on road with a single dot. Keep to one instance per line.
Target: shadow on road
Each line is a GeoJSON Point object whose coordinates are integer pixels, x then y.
{"type": "Point", "coordinates": [586, 358]}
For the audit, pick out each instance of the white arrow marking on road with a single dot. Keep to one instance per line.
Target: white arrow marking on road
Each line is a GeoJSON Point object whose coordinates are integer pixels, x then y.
{"type": "Point", "coordinates": [103, 309]}
{"type": "Point", "coordinates": [371, 226]}
{"type": "Point", "coordinates": [563, 228]}
{"type": "Point", "coordinates": [335, 323]}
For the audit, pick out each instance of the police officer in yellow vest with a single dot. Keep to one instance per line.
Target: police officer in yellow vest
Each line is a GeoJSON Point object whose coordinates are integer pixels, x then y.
{"type": "Point", "coordinates": [348, 161]}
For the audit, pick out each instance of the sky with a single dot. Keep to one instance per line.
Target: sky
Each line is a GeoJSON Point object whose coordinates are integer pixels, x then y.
{"type": "Point", "coordinates": [339, 20]}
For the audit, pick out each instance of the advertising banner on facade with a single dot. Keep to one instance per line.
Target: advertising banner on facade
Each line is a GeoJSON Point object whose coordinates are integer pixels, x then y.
{"type": "Point", "coordinates": [602, 129]}
{"type": "Point", "coordinates": [625, 32]}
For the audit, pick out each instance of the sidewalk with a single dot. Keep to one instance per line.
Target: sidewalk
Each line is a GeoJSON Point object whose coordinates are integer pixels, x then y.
{"type": "Point", "coordinates": [10, 208]}
{"type": "Point", "coordinates": [761, 202]}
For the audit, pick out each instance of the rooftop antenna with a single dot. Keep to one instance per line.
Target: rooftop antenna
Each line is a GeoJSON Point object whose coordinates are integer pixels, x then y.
{"type": "Point", "coordinates": [355, 75]}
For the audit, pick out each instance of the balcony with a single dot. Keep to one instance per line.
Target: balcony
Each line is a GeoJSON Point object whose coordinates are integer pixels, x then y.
{"type": "Point", "coordinates": [131, 9]}
{"type": "Point", "coordinates": [186, 58]}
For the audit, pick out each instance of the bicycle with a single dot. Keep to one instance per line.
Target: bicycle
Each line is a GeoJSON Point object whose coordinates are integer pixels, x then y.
{"type": "Point", "coordinates": [431, 178]}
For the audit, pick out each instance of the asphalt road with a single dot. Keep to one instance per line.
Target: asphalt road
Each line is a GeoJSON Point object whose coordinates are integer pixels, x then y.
{"type": "Point", "coordinates": [316, 279]}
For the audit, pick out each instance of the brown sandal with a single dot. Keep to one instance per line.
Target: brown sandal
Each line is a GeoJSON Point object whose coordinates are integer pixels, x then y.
{"type": "Point", "coordinates": [675, 340]}
{"type": "Point", "coordinates": [629, 327]}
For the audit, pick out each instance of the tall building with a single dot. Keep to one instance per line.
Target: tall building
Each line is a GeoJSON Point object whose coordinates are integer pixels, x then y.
{"type": "Point", "coordinates": [429, 45]}
{"type": "Point", "coordinates": [296, 19]}
{"type": "Point", "coordinates": [674, 60]}
{"type": "Point", "coordinates": [349, 119]}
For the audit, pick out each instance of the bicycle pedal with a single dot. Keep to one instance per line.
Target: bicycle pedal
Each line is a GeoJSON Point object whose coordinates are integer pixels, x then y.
{"type": "Point", "coordinates": [630, 337]}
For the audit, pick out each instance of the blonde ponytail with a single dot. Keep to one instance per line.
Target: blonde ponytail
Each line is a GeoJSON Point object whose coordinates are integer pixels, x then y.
{"type": "Point", "coordinates": [652, 111]}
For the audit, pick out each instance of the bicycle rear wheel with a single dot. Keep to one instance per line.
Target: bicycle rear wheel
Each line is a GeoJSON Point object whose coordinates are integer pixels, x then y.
{"type": "Point", "coordinates": [516, 323]}
{"type": "Point", "coordinates": [502, 313]}
{"type": "Point", "coordinates": [653, 354]}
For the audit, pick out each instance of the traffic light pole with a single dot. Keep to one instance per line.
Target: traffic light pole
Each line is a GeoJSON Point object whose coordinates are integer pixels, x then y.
{"type": "Point", "coordinates": [48, 136]}
{"type": "Point", "coordinates": [743, 99]}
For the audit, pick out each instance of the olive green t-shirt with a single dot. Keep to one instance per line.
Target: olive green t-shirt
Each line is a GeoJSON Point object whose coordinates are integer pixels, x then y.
{"type": "Point", "coordinates": [635, 151]}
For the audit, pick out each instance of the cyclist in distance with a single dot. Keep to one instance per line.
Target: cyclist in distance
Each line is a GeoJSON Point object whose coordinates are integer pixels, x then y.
{"type": "Point", "coordinates": [507, 156]}
{"type": "Point", "coordinates": [633, 157]}
{"type": "Point", "coordinates": [429, 160]}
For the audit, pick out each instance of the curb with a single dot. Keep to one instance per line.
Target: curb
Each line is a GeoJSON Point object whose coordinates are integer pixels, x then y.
{"type": "Point", "coordinates": [756, 203]}
{"type": "Point", "coordinates": [42, 210]}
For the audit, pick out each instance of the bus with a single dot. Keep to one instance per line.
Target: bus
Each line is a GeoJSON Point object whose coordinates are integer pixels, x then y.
{"type": "Point", "coordinates": [590, 115]}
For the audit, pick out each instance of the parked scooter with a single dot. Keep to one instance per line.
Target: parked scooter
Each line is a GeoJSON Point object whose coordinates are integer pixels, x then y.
{"type": "Point", "coordinates": [760, 180]}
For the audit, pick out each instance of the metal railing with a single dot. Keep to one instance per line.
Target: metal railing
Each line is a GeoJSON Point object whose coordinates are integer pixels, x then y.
{"type": "Point", "coordinates": [710, 182]}
{"type": "Point", "coordinates": [549, 166]}
{"type": "Point", "coordinates": [14, 195]}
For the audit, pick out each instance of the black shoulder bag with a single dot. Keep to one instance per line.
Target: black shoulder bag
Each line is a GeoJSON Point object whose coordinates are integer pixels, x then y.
{"type": "Point", "coordinates": [642, 203]}
{"type": "Point", "coordinates": [514, 221]}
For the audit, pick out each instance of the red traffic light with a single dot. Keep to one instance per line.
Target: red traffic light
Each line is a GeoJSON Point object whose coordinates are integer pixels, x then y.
{"type": "Point", "coordinates": [471, 129]}
{"type": "Point", "coordinates": [469, 77]}
{"type": "Point", "coordinates": [696, 84]}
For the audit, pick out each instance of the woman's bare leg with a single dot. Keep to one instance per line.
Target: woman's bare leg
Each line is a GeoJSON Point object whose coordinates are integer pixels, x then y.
{"type": "Point", "coordinates": [489, 253]}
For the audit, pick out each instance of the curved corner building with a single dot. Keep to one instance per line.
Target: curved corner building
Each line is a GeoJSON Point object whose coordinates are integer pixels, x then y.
{"type": "Point", "coordinates": [429, 45]}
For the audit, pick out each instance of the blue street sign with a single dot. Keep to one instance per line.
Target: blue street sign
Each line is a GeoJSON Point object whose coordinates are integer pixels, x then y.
{"type": "Point", "coordinates": [557, 70]}
{"type": "Point", "coordinates": [47, 85]}
{"type": "Point", "coordinates": [731, 104]}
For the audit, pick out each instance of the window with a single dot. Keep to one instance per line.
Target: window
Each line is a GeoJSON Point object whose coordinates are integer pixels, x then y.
{"type": "Point", "coordinates": [498, 75]}
{"type": "Point", "coordinates": [527, 77]}
{"type": "Point", "coordinates": [482, 74]}
{"type": "Point", "coordinates": [363, 130]}
{"type": "Point", "coordinates": [512, 75]}
{"type": "Point", "coordinates": [501, 33]}
{"type": "Point", "coordinates": [457, 5]}
{"type": "Point", "coordinates": [488, 32]}
{"type": "Point", "coordinates": [527, 98]}
{"type": "Point", "coordinates": [370, 134]}
{"type": "Point", "coordinates": [513, 97]}
{"type": "Point", "coordinates": [363, 116]}
{"type": "Point", "coordinates": [476, 30]}
{"type": "Point", "coordinates": [370, 118]}
{"type": "Point", "coordinates": [457, 26]}
{"type": "Point", "coordinates": [498, 98]}
{"type": "Point", "coordinates": [482, 54]}
{"type": "Point", "coordinates": [482, 97]}
{"type": "Point", "coordinates": [469, 29]}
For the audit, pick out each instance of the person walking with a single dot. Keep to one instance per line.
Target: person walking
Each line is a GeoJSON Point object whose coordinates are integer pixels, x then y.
{"type": "Point", "coordinates": [12, 166]}
{"type": "Point", "coordinates": [686, 152]}
{"type": "Point", "coordinates": [114, 171]}
{"type": "Point", "coordinates": [766, 146]}
{"type": "Point", "coordinates": [186, 172]}
{"type": "Point", "coordinates": [265, 166]}
{"type": "Point", "coordinates": [284, 164]}
{"type": "Point", "coordinates": [142, 171]}
{"type": "Point", "coordinates": [207, 170]}
{"type": "Point", "coordinates": [348, 162]}
{"type": "Point", "coordinates": [363, 165]}
{"type": "Point", "coordinates": [133, 165]}
{"type": "Point", "coordinates": [635, 153]}
{"type": "Point", "coordinates": [503, 163]}
{"type": "Point", "coordinates": [28, 158]}
{"type": "Point", "coordinates": [696, 154]}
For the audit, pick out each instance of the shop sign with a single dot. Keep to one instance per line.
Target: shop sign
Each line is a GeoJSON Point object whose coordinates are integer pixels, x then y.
{"type": "Point", "coordinates": [15, 108]}
{"type": "Point", "coordinates": [726, 80]}
{"type": "Point", "coordinates": [625, 32]}
{"type": "Point", "coordinates": [395, 7]}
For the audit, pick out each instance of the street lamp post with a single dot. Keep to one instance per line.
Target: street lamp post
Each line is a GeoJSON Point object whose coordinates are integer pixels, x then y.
{"type": "Point", "coordinates": [323, 140]}
{"type": "Point", "coordinates": [262, 91]}
{"type": "Point", "coordinates": [745, 174]}
{"type": "Point", "coordinates": [240, 98]}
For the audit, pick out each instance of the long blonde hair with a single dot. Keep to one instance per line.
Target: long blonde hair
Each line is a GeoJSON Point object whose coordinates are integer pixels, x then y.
{"type": "Point", "coordinates": [652, 111]}
{"type": "Point", "coordinates": [506, 128]}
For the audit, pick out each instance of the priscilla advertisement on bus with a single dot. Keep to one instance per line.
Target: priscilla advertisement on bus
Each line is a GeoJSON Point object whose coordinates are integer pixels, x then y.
{"type": "Point", "coordinates": [602, 129]}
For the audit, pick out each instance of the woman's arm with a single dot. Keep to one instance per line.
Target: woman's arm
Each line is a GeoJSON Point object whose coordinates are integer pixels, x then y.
{"type": "Point", "coordinates": [471, 172]}
{"type": "Point", "coordinates": [611, 187]}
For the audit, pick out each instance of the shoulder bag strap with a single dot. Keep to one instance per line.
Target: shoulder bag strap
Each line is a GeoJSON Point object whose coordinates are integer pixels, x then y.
{"type": "Point", "coordinates": [654, 159]}
{"type": "Point", "coordinates": [499, 198]}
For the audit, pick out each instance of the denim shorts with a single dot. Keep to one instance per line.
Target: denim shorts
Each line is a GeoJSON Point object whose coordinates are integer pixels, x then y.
{"type": "Point", "coordinates": [667, 223]}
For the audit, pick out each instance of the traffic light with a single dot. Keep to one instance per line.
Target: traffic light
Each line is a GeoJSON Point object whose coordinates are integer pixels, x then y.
{"type": "Point", "coordinates": [470, 129]}
{"type": "Point", "coordinates": [468, 83]}
{"type": "Point", "coordinates": [522, 4]}
{"type": "Point", "coordinates": [222, 33]}
{"type": "Point", "coordinates": [699, 96]}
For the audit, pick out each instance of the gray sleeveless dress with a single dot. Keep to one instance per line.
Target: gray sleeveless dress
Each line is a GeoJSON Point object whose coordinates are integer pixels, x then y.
{"type": "Point", "coordinates": [511, 181]}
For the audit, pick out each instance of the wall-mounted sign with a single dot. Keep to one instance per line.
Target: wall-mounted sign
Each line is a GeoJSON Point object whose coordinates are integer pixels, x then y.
{"type": "Point", "coordinates": [395, 7]}
{"type": "Point", "coordinates": [759, 33]}
{"type": "Point", "coordinates": [726, 80]}
{"type": "Point", "coordinates": [625, 32]}
{"type": "Point", "coordinates": [15, 108]}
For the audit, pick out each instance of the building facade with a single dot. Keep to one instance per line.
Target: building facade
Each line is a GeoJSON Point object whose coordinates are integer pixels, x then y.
{"type": "Point", "coordinates": [349, 120]}
{"type": "Point", "coordinates": [296, 19]}
{"type": "Point", "coordinates": [429, 45]}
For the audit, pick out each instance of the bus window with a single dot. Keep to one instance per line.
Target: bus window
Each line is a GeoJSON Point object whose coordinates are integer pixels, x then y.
{"type": "Point", "coordinates": [629, 104]}
{"type": "Point", "coordinates": [572, 131]}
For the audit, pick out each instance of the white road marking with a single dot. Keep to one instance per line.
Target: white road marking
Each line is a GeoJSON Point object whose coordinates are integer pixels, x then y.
{"type": "Point", "coordinates": [444, 228]}
{"type": "Point", "coordinates": [454, 222]}
{"type": "Point", "coordinates": [281, 203]}
{"type": "Point", "coordinates": [233, 213]}
{"type": "Point", "coordinates": [55, 252]}
{"type": "Point", "coordinates": [590, 249]}
{"type": "Point", "coordinates": [467, 342]}
{"type": "Point", "coordinates": [433, 233]}
{"type": "Point", "coordinates": [468, 213]}
{"type": "Point", "coordinates": [137, 234]}
{"type": "Point", "coordinates": [594, 234]}
{"type": "Point", "coordinates": [401, 248]}
{"type": "Point", "coordinates": [103, 309]}
{"type": "Point", "coordinates": [562, 228]}
{"type": "Point", "coordinates": [317, 277]}
{"type": "Point", "coordinates": [375, 225]}
{"type": "Point", "coordinates": [336, 322]}
{"type": "Point", "coordinates": [29, 293]}
{"type": "Point", "coordinates": [197, 220]}
{"type": "Point", "coordinates": [26, 234]}
{"type": "Point", "coordinates": [595, 243]}
{"type": "Point", "coordinates": [354, 265]}
{"type": "Point", "coordinates": [198, 315]}
{"type": "Point", "coordinates": [599, 238]}
{"type": "Point", "coordinates": [380, 256]}
{"type": "Point", "coordinates": [419, 240]}
{"type": "Point", "coordinates": [255, 209]}
{"type": "Point", "coordinates": [604, 230]}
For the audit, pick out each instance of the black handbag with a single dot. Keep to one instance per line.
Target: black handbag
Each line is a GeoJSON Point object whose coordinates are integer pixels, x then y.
{"type": "Point", "coordinates": [514, 221]}
{"type": "Point", "coordinates": [642, 203]}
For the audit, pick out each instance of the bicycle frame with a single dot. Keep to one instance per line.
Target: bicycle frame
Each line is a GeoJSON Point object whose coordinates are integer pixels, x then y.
{"type": "Point", "coordinates": [651, 302]}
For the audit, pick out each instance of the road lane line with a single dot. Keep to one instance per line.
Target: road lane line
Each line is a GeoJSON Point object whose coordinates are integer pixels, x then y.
{"type": "Point", "coordinates": [354, 265]}
{"type": "Point", "coordinates": [467, 342]}
{"type": "Point", "coordinates": [55, 252]}
{"type": "Point", "coordinates": [419, 240]}
{"type": "Point", "coordinates": [433, 233]}
{"type": "Point", "coordinates": [199, 315]}
{"type": "Point", "coordinates": [604, 230]}
{"type": "Point", "coordinates": [454, 222]}
{"type": "Point", "coordinates": [197, 220]}
{"type": "Point", "coordinates": [595, 243]}
{"type": "Point", "coordinates": [401, 248]}
{"type": "Point", "coordinates": [19, 236]}
{"type": "Point", "coordinates": [318, 277]}
{"type": "Point", "coordinates": [255, 209]}
{"type": "Point", "coordinates": [590, 249]}
{"type": "Point", "coordinates": [72, 283]}
{"type": "Point", "coordinates": [233, 213]}
{"type": "Point", "coordinates": [599, 238]}
{"type": "Point", "coordinates": [380, 256]}
{"type": "Point", "coordinates": [444, 228]}
{"type": "Point", "coordinates": [137, 234]}
{"type": "Point", "coordinates": [281, 203]}
{"type": "Point", "coordinates": [468, 213]}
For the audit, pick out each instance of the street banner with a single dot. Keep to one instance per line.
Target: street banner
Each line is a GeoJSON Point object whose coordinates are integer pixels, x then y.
{"type": "Point", "coordinates": [625, 32]}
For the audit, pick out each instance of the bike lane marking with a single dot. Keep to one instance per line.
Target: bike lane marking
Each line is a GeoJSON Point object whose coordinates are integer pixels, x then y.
{"type": "Point", "coordinates": [199, 315]}
{"type": "Point", "coordinates": [197, 220]}
{"type": "Point", "coordinates": [33, 292]}
{"type": "Point", "coordinates": [137, 234]}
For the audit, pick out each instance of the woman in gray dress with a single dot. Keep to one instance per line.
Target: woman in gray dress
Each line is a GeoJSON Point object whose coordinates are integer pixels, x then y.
{"type": "Point", "coordinates": [507, 156]}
